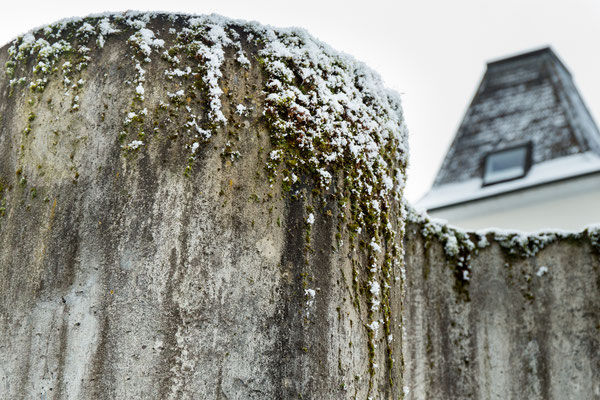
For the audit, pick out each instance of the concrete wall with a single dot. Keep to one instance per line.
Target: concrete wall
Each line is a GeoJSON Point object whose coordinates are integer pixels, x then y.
{"type": "Point", "coordinates": [521, 327]}
{"type": "Point", "coordinates": [168, 269]}
{"type": "Point", "coordinates": [152, 249]}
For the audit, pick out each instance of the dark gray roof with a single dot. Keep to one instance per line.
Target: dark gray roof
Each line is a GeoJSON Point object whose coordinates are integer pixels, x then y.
{"type": "Point", "coordinates": [528, 97]}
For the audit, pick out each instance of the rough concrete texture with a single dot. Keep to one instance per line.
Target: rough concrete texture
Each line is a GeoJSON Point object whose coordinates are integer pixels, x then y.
{"type": "Point", "coordinates": [199, 208]}
{"type": "Point", "coordinates": [168, 269]}
{"type": "Point", "coordinates": [521, 327]}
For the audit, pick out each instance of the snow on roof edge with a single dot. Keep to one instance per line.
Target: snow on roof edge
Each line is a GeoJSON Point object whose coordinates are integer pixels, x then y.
{"type": "Point", "coordinates": [543, 173]}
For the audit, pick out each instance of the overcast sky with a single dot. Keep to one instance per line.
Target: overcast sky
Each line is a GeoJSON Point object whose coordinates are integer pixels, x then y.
{"type": "Point", "coordinates": [433, 52]}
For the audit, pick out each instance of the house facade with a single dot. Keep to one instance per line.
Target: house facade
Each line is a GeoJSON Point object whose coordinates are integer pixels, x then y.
{"type": "Point", "coordinates": [526, 155]}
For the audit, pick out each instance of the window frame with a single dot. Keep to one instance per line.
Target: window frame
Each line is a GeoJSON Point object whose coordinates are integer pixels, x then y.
{"type": "Point", "coordinates": [526, 167]}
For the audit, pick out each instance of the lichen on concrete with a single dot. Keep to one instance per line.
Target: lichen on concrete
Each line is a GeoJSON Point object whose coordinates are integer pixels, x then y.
{"type": "Point", "coordinates": [521, 323]}
{"type": "Point", "coordinates": [192, 206]}
{"type": "Point", "coordinates": [197, 205]}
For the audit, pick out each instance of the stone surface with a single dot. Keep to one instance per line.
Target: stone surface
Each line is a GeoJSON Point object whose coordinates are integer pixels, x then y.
{"type": "Point", "coordinates": [522, 327]}
{"type": "Point", "coordinates": [173, 268]}
{"type": "Point", "coordinates": [157, 240]}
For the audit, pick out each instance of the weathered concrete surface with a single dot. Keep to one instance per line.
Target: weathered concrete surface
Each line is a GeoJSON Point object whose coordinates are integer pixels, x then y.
{"type": "Point", "coordinates": [121, 277]}
{"type": "Point", "coordinates": [513, 331]}
{"type": "Point", "coordinates": [151, 247]}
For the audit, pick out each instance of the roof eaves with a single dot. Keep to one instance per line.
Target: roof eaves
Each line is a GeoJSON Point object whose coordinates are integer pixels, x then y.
{"type": "Point", "coordinates": [516, 190]}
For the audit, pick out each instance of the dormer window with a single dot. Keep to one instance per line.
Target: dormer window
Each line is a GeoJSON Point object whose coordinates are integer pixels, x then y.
{"type": "Point", "coordinates": [507, 164]}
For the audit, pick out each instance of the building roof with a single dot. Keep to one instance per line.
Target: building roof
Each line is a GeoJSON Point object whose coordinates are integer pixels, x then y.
{"type": "Point", "coordinates": [554, 170]}
{"type": "Point", "coordinates": [527, 98]}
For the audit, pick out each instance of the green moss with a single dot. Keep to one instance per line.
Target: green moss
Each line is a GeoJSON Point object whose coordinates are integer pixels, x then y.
{"type": "Point", "coordinates": [349, 189]}
{"type": "Point", "coordinates": [593, 236]}
{"type": "Point", "coordinates": [228, 154]}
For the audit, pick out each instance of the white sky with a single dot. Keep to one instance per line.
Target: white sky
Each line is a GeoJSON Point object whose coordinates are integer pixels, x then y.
{"type": "Point", "coordinates": [433, 52]}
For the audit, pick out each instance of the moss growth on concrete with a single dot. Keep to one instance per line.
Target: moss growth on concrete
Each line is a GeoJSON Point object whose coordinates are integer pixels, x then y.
{"type": "Point", "coordinates": [461, 246]}
{"type": "Point", "coordinates": [332, 126]}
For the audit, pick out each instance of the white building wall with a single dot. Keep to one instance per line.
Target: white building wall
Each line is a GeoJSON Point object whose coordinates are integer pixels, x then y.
{"type": "Point", "coordinates": [569, 205]}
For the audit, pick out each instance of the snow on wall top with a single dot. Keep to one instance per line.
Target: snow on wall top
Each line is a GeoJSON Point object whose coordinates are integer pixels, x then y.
{"type": "Point", "coordinates": [529, 97]}
{"type": "Point", "coordinates": [325, 109]}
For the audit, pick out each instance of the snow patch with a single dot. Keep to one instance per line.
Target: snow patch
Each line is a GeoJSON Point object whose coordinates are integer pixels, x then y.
{"type": "Point", "coordinates": [542, 271]}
